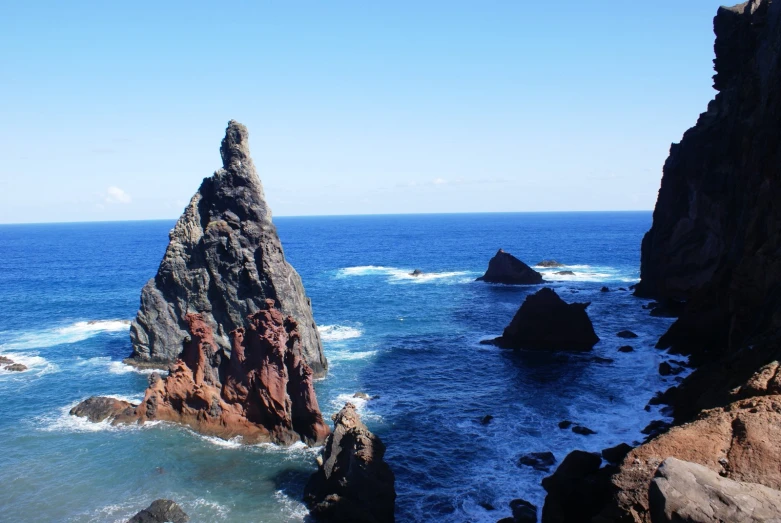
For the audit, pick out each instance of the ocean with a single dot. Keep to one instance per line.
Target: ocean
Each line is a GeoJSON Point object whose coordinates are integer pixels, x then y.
{"type": "Point", "coordinates": [68, 291]}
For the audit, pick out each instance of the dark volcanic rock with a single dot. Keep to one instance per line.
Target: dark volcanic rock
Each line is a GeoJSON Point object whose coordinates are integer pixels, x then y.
{"type": "Point", "coordinates": [224, 260]}
{"type": "Point", "coordinates": [626, 348]}
{"type": "Point", "coordinates": [506, 268]}
{"type": "Point", "coordinates": [565, 273]}
{"type": "Point", "coordinates": [161, 511]}
{"type": "Point", "coordinates": [683, 491]}
{"type": "Point", "coordinates": [546, 322]}
{"type": "Point", "coordinates": [626, 334]}
{"type": "Point", "coordinates": [16, 367]}
{"type": "Point", "coordinates": [523, 511]}
{"type": "Point", "coordinates": [550, 263]}
{"type": "Point", "coordinates": [416, 273]}
{"type": "Point", "coordinates": [565, 424]}
{"type": "Point", "coordinates": [583, 431]}
{"type": "Point", "coordinates": [485, 420]}
{"type": "Point", "coordinates": [577, 490]}
{"type": "Point", "coordinates": [99, 408]}
{"type": "Point", "coordinates": [604, 289]}
{"type": "Point", "coordinates": [538, 460]}
{"type": "Point", "coordinates": [616, 454]}
{"type": "Point", "coordinates": [353, 482]}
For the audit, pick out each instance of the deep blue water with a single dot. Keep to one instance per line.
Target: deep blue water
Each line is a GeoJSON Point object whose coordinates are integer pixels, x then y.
{"type": "Point", "coordinates": [67, 290]}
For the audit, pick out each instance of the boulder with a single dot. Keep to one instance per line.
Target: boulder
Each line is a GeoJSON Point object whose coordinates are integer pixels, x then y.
{"type": "Point", "coordinates": [100, 408]}
{"type": "Point", "coordinates": [523, 511]}
{"type": "Point", "coordinates": [223, 261]}
{"type": "Point", "coordinates": [583, 431]}
{"type": "Point", "coordinates": [549, 264]}
{"type": "Point", "coordinates": [16, 367]}
{"type": "Point", "coordinates": [538, 460]}
{"type": "Point", "coordinates": [683, 491]}
{"type": "Point", "coordinates": [577, 490]}
{"type": "Point", "coordinates": [546, 322]}
{"type": "Point", "coordinates": [506, 268]}
{"type": "Point", "coordinates": [565, 273]}
{"type": "Point", "coordinates": [604, 289]}
{"type": "Point", "coordinates": [416, 273]}
{"type": "Point", "coordinates": [161, 511]}
{"type": "Point", "coordinates": [626, 348]}
{"type": "Point", "coordinates": [626, 334]}
{"type": "Point", "coordinates": [353, 483]}
{"type": "Point", "coordinates": [5, 361]}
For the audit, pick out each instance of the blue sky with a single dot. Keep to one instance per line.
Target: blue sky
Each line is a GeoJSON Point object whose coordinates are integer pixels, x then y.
{"type": "Point", "coordinates": [115, 110]}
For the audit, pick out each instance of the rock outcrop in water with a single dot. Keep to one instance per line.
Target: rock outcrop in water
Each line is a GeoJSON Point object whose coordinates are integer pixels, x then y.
{"type": "Point", "coordinates": [262, 392]}
{"type": "Point", "coordinates": [353, 483]}
{"type": "Point", "coordinates": [161, 511]}
{"type": "Point", "coordinates": [546, 322]}
{"type": "Point", "coordinates": [224, 260]}
{"type": "Point", "coordinates": [715, 244]}
{"type": "Point", "coordinates": [506, 268]}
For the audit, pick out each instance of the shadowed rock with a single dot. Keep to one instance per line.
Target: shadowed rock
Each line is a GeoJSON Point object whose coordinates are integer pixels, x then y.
{"type": "Point", "coordinates": [161, 511]}
{"type": "Point", "coordinates": [353, 483]}
{"type": "Point", "coordinates": [100, 408]}
{"type": "Point", "coordinates": [546, 322]}
{"type": "Point", "coordinates": [224, 260]}
{"type": "Point", "coordinates": [506, 268]}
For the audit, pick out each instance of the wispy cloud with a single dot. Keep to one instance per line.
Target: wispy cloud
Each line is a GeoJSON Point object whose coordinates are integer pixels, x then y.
{"type": "Point", "coordinates": [116, 195]}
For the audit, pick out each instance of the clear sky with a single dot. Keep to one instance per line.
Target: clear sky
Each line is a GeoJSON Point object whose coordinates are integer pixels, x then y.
{"type": "Point", "coordinates": [115, 110]}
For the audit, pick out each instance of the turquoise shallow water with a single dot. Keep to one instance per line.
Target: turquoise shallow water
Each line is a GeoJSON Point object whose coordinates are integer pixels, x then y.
{"type": "Point", "coordinates": [67, 291]}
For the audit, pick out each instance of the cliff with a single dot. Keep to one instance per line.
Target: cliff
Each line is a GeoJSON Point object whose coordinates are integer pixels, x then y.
{"type": "Point", "coordinates": [223, 261]}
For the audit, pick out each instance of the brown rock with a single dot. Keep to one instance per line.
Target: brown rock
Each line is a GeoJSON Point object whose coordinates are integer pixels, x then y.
{"type": "Point", "coordinates": [100, 408]}
{"type": "Point", "coordinates": [5, 361]}
{"type": "Point", "coordinates": [353, 483]}
{"type": "Point", "coordinates": [16, 367]}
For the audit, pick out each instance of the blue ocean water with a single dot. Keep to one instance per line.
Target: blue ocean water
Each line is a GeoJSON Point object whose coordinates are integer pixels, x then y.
{"type": "Point", "coordinates": [67, 292]}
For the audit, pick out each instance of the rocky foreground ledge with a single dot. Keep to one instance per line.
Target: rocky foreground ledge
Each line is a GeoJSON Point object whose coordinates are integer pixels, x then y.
{"type": "Point", "coordinates": [224, 260]}
{"type": "Point", "coordinates": [262, 392]}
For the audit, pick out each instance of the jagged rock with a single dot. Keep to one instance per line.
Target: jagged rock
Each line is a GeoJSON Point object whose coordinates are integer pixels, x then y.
{"type": "Point", "coordinates": [353, 483]}
{"type": "Point", "coordinates": [161, 511]}
{"type": "Point", "coordinates": [546, 322]}
{"type": "Point", "coordinates": [262, 392]}
{"type": "Point", "coordinates": [616, 454]}
{"type": "Point", "coordinates": [16, 367]}
{"type": "Point", "coordinates": [550, 263]}
{"type": "Point", "coordinates": [100, 408]}
{"type": "Point", "coordinates": [224, 260]}
{"type": "Point", "coordinates": [506, 268]}
{"type": "Point", "coordinates": [577, 490]}
{"type": "Point", "coordinates": [683, 491]}
{"type": "Point", "coordinates": [538, 460]}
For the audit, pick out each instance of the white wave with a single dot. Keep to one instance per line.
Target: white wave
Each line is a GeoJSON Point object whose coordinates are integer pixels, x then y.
{"type": "Point", "coordinates": [585, 273]}
{"type": "Point", "coordinates": [233, 443]}
{"type": "Point", "coordinates": [36, 365]}
{"type": "Point", "coordinates": [218, 511]}
{"type": "Point", "coordinates": [346, 355]}
{"type": "Point", "coordinates": [76, 332]}
{"type": "Point", "coordinates": [296, 451]}
{"type": "Point", "coordinates": [338, 332]}
{"type": "Point", "coordinates": [397, 275]}
{"type": "Point", "coordinates": [293, 509]}
{"type": "Point", "coordinates": [62, 421]}
{"type": "Point", "coordinates": [118, 367]}
{"type": "Point", "coordinates": [361, 405]}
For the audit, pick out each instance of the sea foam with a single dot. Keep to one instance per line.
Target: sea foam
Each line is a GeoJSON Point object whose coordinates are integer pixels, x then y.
{"type": "Point", "coordinates": [397, 275]}
{"type": "Point", "coordinates": [338, 332]}
{"type": "Point", "coordinates": [73, 333]}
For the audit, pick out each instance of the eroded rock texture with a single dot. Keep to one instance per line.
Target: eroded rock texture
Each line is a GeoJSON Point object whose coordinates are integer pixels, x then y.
{"type": "Point", "coordinates": [506, 268]}
{"type": "Point", "coordinates": [546, 322]}
{"type": "Point", "coordinates": [262, 392]}
{"type": "Point", "coordinates": [161, 511]}
{"type": "Point", "coordinates": [223, 261]}
{"type": "Point", "coordinates": [353, 482]}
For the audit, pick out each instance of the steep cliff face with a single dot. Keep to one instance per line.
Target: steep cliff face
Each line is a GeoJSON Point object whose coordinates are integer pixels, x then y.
{"type": "Point", "coordinates": [716, 234]}
{"type": "Point", "coordinates": [224, 260]}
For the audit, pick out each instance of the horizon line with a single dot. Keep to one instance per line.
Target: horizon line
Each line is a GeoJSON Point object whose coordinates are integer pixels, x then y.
{"type": "Point", "coordinates": [340, 216]}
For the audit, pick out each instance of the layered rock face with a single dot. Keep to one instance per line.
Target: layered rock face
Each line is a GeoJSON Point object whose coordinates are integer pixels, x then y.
{"type": "Point", "coordinates": [353, 483]}
{"type": "Point", "coordinates": [546, 322]}
{"type": "Point", "coordinates": [506, 268]}
{"type": "Point", "coordinates": [716, 234]}
{"type": "Point", "coordinates": [262, 392]}
{"type": "Point", "coordinates": [224, 260]}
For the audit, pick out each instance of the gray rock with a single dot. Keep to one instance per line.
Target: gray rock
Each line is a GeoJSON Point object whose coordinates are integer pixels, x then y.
{"type": "Point", "coordinates": [687, 492]}
{"type": "Point", "coordinates": [506, 268]}
{"type": "Point", "coordinates": [224, 259]}
{"type": "Point", "coordinates": [161, 511]}
{"type": "Point", "coordinates": [5, 361]}
{"type": "Point", "coordinates": [99, 408]}
{"type": "Point", "coordinates": [16, 367]}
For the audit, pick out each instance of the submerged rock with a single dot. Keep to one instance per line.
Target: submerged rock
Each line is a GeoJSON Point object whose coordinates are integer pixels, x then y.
{"type": "Point", "coordinates": [565, 273]}
{"type": "Point", "coordinates": [626, 334]}
{"type": "Point", "coordinates": [549, 264]}
{"type": "Point", "coordinates": [16, 367]}
{"type": "Point", "coordinates": [546, 322]}
{"type": "Point", "coordinates": [161, 511]}
{"type": "Point", "coordinates": [626, 348]}
{"type": "Point", "coordinates": [5, 361]}
{"type": "Point", "coordinates": [506, 268]}
{"type": "Point", "coordinates": [224, 260]}
{"type": "Point", "coordinates": [683, 491]}
{"type": "Point", "coordinates": [416, 273]}
{"type": "Point", "coordinates": [353, 483]}
{"type": "Point", "coordinates": [538, 460]}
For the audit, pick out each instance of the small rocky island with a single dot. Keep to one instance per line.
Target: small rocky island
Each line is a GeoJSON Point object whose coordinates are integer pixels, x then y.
{"type": "Point", "coordinates": [506, 268]}
{"type": "Point", "coordinates": [224, 260]}
{"type": "Point", "coordinates": [546, 322]}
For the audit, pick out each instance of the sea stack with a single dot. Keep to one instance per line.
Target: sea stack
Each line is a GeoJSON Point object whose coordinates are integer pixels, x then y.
{"type": "Point", "coordinates": [506, 268]}
{"type": "Point", "coordinates": [353, 482]}
{"type": "Point", "coordinates": [261, 392]}
{"type": "Point", "coordinates": [223, 261]}
{"type": "Point", "coordinates": [546, 322]}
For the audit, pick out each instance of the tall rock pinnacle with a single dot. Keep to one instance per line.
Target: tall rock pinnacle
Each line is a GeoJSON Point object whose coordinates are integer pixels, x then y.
{"type": "Point", "coordinates": [223, 261]}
